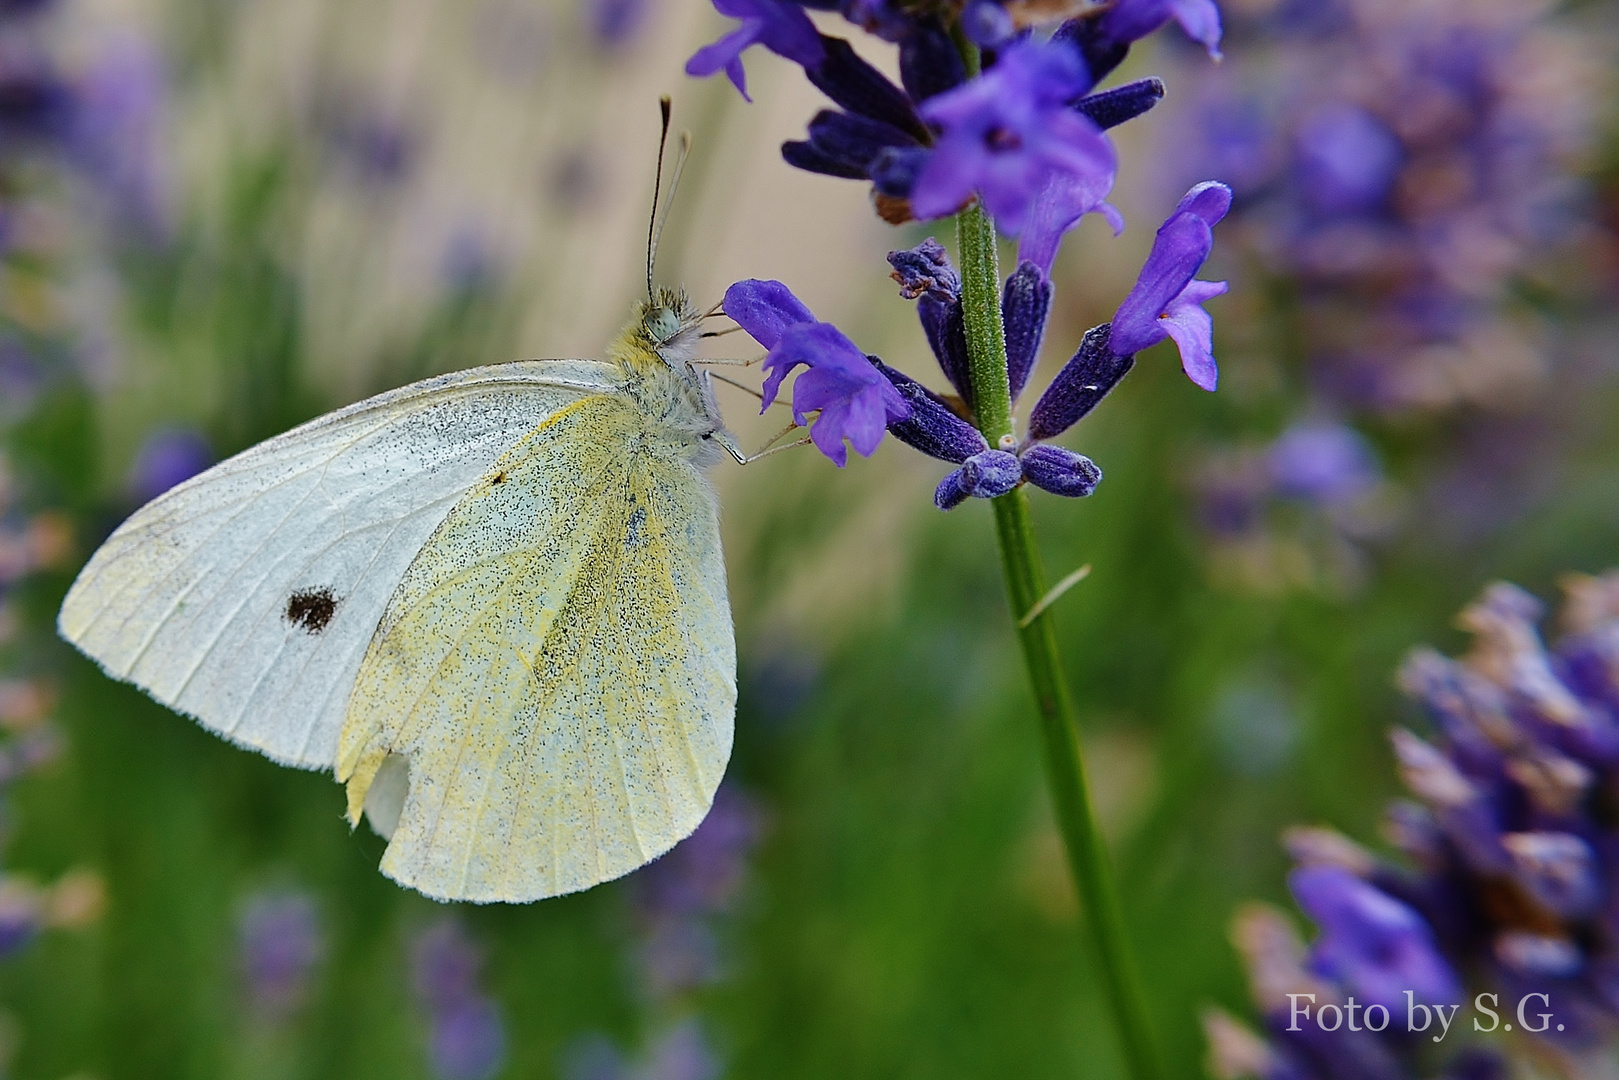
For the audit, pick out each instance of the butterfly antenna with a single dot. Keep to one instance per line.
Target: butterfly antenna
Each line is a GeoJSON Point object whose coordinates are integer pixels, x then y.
{"type": "Point", "coordinates": [662, 219]}
{"type": "Point", "coordinates": [665, 106]}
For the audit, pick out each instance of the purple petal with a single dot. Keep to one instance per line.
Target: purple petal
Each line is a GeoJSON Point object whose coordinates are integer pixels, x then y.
{"type": "Point", "coordinates": [854, 400]}
{"type": "Point", "coordinates": [778, 25]}
{"type": "Point", "coordinates": [1007, 133]}
{"type": "Point", "coordinates": [1178, 251]}
{"type": "Point", "coordinates": [1375, 944]}
{"type": "Point", "coordinates": [827, 435]}
{"type": "Point", "coordinates": [764, 309]}
{"type": "Point", "coordinates": [1193, 331]}
{"type": "Point", "coordinates": [1058, 208]}
{"type": "Point", "coordinates": [726, 55]}
{"type": "Point", "coordinates": [946, 181]}
{"type": "Point", "coordinates": [1210, 200]}
{"type": "Point", "coordinates": [1132, 20]}
{"type": "Point", "coordinates": [739, 77]}
{"type": "Point", "coordinates": [865, 420]}
{"type": "Point", "coordinates": [788, 32]}
{"type": "Point", "coordinates": [1201, 21]}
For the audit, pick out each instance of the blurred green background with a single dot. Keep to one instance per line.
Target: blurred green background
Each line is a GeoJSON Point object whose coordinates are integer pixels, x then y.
{"type": "Point", "coordinates": [303, 203]}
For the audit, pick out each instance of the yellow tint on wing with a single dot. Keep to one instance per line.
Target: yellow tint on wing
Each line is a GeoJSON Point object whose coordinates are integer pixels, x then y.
{"type": "Point", "coordinates": [557, 667]}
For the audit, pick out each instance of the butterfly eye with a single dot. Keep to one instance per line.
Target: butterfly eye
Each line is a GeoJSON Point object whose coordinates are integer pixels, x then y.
{"type": "Point", "coordinates": [661, 325]}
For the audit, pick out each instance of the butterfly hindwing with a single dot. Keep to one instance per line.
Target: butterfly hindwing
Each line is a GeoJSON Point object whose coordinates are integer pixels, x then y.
{"type": "Point", "coordinates": [246, 597]}
{"type": "Point", "coordinates": [557, 667]}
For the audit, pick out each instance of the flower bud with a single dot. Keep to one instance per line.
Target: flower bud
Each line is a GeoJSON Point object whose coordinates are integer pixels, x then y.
{"type": "Point", "coordinates": [1083, 382]}
{"type": "Point", "coordinates": [1059, 471]}
{"type": "Point", "coordinates": [985, 475]}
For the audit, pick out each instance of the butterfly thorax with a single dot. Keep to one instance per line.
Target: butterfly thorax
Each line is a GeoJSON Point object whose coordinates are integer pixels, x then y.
{"type": "Point", "coordinates": [654, 353]}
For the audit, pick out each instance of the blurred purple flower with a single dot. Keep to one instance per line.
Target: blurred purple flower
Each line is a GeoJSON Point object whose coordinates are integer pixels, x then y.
{"type": "Point", "coordinates": [119, 132]}
{"type": "Point", "coordinates": [167, 457]}
{"type": "Point", "coordinates": [778, 25]}
{"type": "Point", "coordinates": [678, 895]}
{"type": "Point", "coordinates": [468, 1042]}
{"type": "Point", "coordinates": [1325, 463]}
{"type": "Point", "coordinates": [1347, 159]}
{"type": "Point", "coordinates": [279, 942]}
{"type": "Point", "coordinates": [467, 1037]}
{"type": "Point", "coordinates": [36, 104]}
{"type": "Point", "coordinates": [377, 148]}
{"type": "Point", "coordinates": [1132, 20]}
{"type": "Point", "coordinates": [1166, 301]}
{"type": "Point", "coordinates": [682, 1053]}
{"type": "Point", "coordinates": [854, 400]}
{"type": "Point", "coordinates": [470, 262]}
{"type": "Point", "coordinates": [987, 23]}
{"type": "Point", "coordinates": [704, 872]}
{"type": "Point", "coordinates": [20, 916]}
{"type": "Point", "coordinates": [615, 23]}
{"type": "Point", "coordinates": [1007, 134]}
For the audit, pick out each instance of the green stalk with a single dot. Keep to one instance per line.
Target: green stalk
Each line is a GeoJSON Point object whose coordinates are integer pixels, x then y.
{"type": "Point", "coordinates": [1025, 585]}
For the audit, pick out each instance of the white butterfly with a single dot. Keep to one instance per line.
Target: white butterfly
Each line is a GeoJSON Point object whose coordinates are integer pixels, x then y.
{"type": "Point", "coordinates": [493, 602]}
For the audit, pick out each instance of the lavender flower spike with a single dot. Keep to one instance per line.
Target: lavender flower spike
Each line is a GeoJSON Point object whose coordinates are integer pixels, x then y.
{"type": "Point", "coordinates": [853, 398]}
{"type": "Point", "coordinates": [1166, 301]}
{"type": "Point", "coordinates": [779, 26]}
{"type": "Point", "coordinates": [1008, 133]}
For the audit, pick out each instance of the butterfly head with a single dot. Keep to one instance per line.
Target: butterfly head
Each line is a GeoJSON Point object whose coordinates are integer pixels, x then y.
{"type": "Point", "coordinates": [666, 327]}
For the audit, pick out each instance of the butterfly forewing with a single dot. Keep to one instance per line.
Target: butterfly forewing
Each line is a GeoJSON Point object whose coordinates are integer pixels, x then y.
{"type": "Point", "coordinates": [247, 596]}
{"type": "Point", "coordinates": [557, 667]}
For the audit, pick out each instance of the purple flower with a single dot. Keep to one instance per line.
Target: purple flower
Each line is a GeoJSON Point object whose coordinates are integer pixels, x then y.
{"type": "Point", "coordinates": [20, 916]}
{"type": "Point", "coordinates": [1370, 941]}
{"type": "Point", "coordinates": [167, 457]}
{"type": "Point", "coordinates": [466, 1036]}
{"type": "Point", "coordinates": [779, 26]}
{"type": "Point", "coordinates": [1007, 134]}
{"type": "Point", "coordinates": [987, 23]}
{"type": "Point", "coordinates": [279, 939]}
{"type": "Point", "coordinates": [705, 872]}
{"type": "Point", "coordinates": [854, 400]}
{"type": "Point", "coordinates": [1132, 20]}
{"type": "Point", "coordinates": [615, 23]}
{"type": "Point", "coordinates": [1166, 300]}
{"type": "Point", "coordinates": [118, 136]}
{"type": "Point", "coordinates": [1347, 159]}
{"type": "Point", "coordinates": [468, 1042]}
{"type": "Point", "coordinates": [1321, 462]}
{"type": "Point", "coordinates": [682, 1053]}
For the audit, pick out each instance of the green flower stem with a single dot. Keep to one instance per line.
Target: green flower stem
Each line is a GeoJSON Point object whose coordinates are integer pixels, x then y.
{"type": "Point", "coordinates": [1025, 585]}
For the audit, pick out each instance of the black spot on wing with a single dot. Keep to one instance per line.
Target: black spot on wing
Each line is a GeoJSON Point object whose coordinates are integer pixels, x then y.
{"type": "Point", "coordinates": [635, 528]}
{"type": "Point", "coordinates": [311, 609]}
